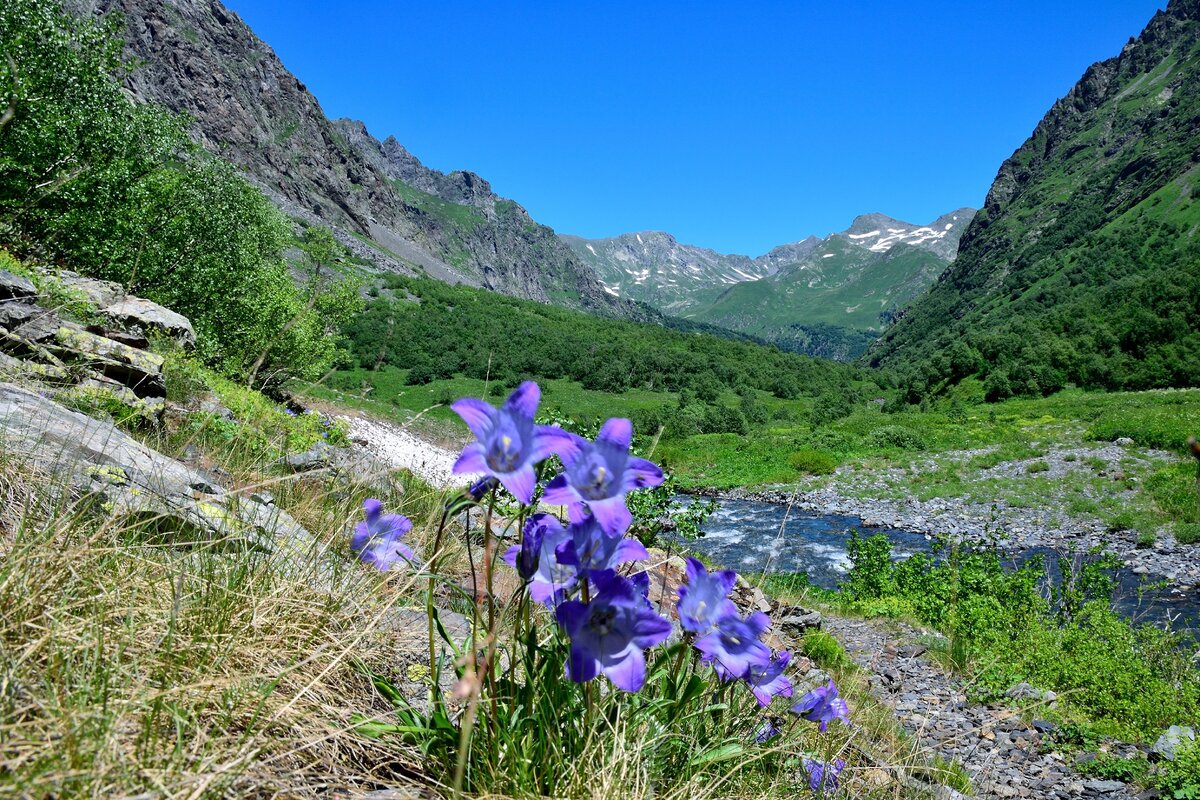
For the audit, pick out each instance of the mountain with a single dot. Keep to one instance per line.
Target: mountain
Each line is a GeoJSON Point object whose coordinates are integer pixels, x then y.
{"type": "Point", "coordinates": [826, 297]}
{"type": "Point", "coordinates": [199, 58]}
{"type": "Point", "coordinates": [653, 267]}
{"type": "Point", "coordinates": [1084, 265]}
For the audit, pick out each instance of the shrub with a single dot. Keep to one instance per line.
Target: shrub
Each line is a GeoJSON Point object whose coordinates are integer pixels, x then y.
{"type": "Point", "coordinates": [896, 436]}
{"type": "Point", "coordinates": [1187, 533]}
{"type": "Point", "coordinates": [1036, 467]}
{"type": "Point", "coordinates": [813, 462]}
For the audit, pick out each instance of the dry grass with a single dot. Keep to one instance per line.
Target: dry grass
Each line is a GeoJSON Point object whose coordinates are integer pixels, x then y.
{"type": "Point", "coordinates": [127, 668]}
{"type": "Point", "coordinates": [131, 669]}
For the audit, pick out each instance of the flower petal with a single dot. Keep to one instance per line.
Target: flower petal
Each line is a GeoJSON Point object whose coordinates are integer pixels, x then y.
{"type": "Point", "coordinates": [628, 674]}
{"type": "Point", "coordinates": [571, 616]}
{"type": "Point", "coordinates": [617, 432]}
{"type": "Point", "coordinates": [471, 460]}
{"type": "Point", "coordinates": [631, 550]}
{"type": "Point", "coordinates": [524, 400]}
{"type": "Point", "coordinates": [640, 473]}
{"type": "Point", "coordinates": [477, 414]}
{"type": "Point", "coordinates": [550, 441]}
{"type": "Point", "coordinates": [371, 509]}
{"type": "Point", "coordinates": [612, 515]}
{"type": "Point", "coordinates": [559, 492]}
{"type": "Point", "coordinates": [520, 483]}
{"type": "Point", "coordinates": [510, 555]}
{"type": "Point", "coordinates": [582, 666]}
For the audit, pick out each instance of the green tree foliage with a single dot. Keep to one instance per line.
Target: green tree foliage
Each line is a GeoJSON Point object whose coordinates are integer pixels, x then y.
{"type": "Point", "coordinates": [438, 330]}
{"type": "Point", "coordinates": [117, 190]}
{"type": "Point", "coordinates": [1084, 268]}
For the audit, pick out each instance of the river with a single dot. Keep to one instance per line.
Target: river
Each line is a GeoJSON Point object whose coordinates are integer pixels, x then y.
{"type": "Point", "coordinates": [752, 536]}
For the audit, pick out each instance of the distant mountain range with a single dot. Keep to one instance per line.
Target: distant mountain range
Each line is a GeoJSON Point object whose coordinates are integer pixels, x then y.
{"type": "Point", "coordinates": [823, 296]}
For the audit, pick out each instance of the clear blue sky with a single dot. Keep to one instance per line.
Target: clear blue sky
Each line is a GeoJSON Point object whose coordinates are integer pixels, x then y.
{"type": "Point", "coordinates": [733, 125]}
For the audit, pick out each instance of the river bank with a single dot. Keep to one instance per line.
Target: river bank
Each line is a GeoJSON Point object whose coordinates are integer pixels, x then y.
{"type": "Point", "coordinates": [872, 497]}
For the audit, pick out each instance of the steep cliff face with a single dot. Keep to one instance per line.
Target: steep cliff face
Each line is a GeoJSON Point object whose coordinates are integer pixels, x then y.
{"type": "Point", "coordinates": [1090, 225]}
{"type": "Point", "coordinates": [201, 59]}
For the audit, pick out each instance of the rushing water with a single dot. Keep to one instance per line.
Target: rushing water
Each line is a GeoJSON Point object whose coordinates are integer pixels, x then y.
{"type": "Point", "coordinates": [752, 536]}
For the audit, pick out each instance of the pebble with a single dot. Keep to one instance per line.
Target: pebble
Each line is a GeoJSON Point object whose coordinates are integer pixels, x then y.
{"type": "Point", "coordinates": [1005, 756]}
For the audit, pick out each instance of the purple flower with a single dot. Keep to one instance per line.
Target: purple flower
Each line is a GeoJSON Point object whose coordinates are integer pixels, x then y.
{"type": "Point", "coordinates": [733, 646]}
{"type": "Point", "coordinates": [589, 549]}
{"type": "Point", "coordinates": [549, 577]}
{"type": "Point", "coordinates": [600, 474]}
{"type": "Point", "coordinates": [526, 556]}
{"type": "Point", "coordinates": [768, 681]}
{"type": "Point", "coordinates": [823, 776]}
{"type": "Point", "coordinates": [481, 487]}
{"type": "Point", "coordinates": [767, 731]}
{"type": "Point", "coordinates": [377, 540]}
{"type": "Point", "coordinates": [705, 599]}
{"type": "Point", "coordinates": [609, 633]}
{"type": "Point", "coordinates": [508, 443]}
{"type": "Point", "coordinates": [823, 705]}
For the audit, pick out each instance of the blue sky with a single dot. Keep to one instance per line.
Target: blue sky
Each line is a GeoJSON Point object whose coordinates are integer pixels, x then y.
{"type": "Point", "coordinates": [733, 125]}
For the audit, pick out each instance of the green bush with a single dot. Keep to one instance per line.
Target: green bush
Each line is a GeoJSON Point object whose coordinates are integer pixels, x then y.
{"type": "Point", "coordinates": [1187, 533]}
{"type": "Point", "coordinates": [825, 651]}
{"type": "Point", "coordinates": [813, 462]}
{"type": "Point", "coordinates": [1164, 426]}
{"type": "Point", "coordinates": [895, 436]}
{"type": "Point", "coordinates": [1173, 489]}
{"type": "Point", "coordinates": [1036, 467]}
{"type": "Point", "coordinates": [118, 190]}
{"type": "Point", "coordinates": [1181, 777]}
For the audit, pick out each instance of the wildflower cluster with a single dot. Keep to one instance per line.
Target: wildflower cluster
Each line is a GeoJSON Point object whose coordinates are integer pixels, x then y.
{"type": "Point", "coordinates": [585, 569]}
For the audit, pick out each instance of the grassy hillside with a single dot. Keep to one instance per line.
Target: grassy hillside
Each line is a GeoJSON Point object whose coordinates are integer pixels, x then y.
{"type": "Point", "coordinates": [1084, 266]}
{"type": "Point", "coordinates": [419, 341]}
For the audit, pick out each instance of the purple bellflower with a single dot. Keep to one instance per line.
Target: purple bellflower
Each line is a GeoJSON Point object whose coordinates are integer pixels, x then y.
{"type": "Point", "coordinates": [705, 599]}
{"type": "Point", "coordinates": [823, 776]}
{"type": "Point", "coordinates": [548, 577]}
{"type": "Point", "coordinates": [768, 681]}
{"type": "Point", "coordinates": [822, 705]}
{"type": "Point", "coordinates": [766, 732]}
{"type": "Point", "coordinates": [377, 539]}
{"type": "Point", "coordinates": [589, 549]}
{"type": "Point", "coordinates": [599, 475]}
{"type": "Point", "coordinates": [610, 633]}
{"type": "Point", "coordinates": [508, 443]}
{"type": "Point", "coordinates": [733, 646]}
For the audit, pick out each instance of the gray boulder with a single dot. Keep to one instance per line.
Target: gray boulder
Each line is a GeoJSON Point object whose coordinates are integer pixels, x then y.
{"type": "Point", "coordinates": [795, 621]}
{"type": "Point", "coordinates": [14, 313]}
{"type": "Point", "coordinates": [142, 316]}
{"type": "Point", "coordinates": [1167, 746]}
{"type": "Point", "coordinates": [349, 466]}
{"type": "Point", "coordinates": [139, 370]}
{"type": "Point", "coordinates": [123, 478]}
{"type": "Point", "coordinates": [98, 293]}
{"type": "Point", "coordinates": [15, 286]}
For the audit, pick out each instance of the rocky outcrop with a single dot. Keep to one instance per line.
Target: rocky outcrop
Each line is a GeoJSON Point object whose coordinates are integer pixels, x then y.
{"type": "Point", "coordinates": [201, 59]}
{"type": "Point", "coordinates": [112, 473]}
{"type": "Point", "coordinates": [38, 344]}
{"type": "Point", "coordinates": [141, 316]}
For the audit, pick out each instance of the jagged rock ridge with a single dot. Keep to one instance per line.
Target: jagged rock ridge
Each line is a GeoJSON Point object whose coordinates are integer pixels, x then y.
{"type": "Point", "coordinates": [200, 58]}
{"type": "Point", "coordinates": [822, 296]}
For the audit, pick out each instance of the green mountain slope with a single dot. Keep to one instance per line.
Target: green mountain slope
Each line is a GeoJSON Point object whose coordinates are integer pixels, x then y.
{"type": "Point", "coordinates": [1084, 265]}
{"type": "Point", "coordinates": [199, 57]}
{"type": "Point", "coordinates": [833, 299]}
